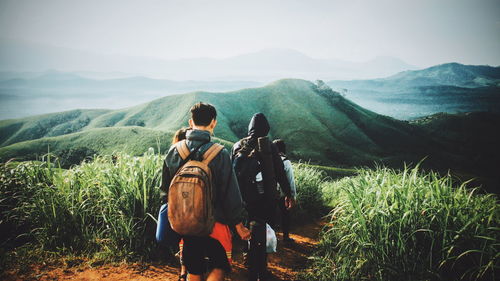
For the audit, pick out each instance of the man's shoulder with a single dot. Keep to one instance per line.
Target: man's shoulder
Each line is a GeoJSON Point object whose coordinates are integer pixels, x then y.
{"type": "Point", "coordinates": [223, 152]}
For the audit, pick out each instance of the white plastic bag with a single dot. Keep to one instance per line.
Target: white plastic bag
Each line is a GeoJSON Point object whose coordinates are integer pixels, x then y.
{"type": "Point", "coordinates": [271, 241]}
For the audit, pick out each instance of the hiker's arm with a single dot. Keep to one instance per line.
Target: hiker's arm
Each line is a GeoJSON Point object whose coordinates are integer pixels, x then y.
{"type": "Point", "coordinates": [234, 149]}
{"type": "Point", "coordinates": [280, 173]}
{"type": "Point", "coordinates": [243, 232]}
{"type": "Point", "coordinates": [165, 182]}
{"type": "Point", "coordinates": [231, 201]}
{"type": "Point", "coordinates": [168, 172]}
{"type": "Point", "coordinates": [289, 174]}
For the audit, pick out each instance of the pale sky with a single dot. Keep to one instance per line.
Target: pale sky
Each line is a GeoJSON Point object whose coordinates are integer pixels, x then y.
{"type": "Point", "coordinates": [420, 32]}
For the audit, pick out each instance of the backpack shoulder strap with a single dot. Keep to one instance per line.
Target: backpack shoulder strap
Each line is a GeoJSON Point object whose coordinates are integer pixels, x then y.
{"type": "Point", "coordinates": [210, 154]}
{"type": "Point", "coordinates": [183, 149]}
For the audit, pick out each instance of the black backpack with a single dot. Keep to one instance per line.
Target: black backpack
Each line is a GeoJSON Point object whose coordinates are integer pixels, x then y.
{"type": "Point", "coordinates": [252, 157]}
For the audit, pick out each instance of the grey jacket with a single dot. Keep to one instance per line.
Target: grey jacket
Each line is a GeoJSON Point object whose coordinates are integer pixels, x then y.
{"type": "Point", "coordinates": [227, 198]}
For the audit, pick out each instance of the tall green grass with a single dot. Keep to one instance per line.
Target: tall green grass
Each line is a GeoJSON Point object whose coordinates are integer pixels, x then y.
{"type": "Point", "coordinates": [407, 225]}
{"type": "Point", "coordinates": [310, 201]}
{"type": "Point", "coordinates": [385, 224]}
{"type": "Point", "coordinates": [104, 209]}
{"type": "Point", "coordinates": [100, 208]}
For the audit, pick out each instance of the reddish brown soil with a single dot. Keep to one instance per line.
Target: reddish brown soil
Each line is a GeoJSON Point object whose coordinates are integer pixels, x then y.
{"type": "Point", "coordinates": [284, 265]}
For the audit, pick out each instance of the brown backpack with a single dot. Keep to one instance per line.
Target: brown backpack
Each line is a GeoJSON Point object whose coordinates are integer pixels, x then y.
{"type": "Point", "coordinates": [190, 206]}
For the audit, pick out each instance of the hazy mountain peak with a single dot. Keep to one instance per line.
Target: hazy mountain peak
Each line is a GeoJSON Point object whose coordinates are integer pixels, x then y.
{"type": "Point", "coordinates": [452, 74]}
{"type": "Point", "coordinates": [389, 59]}
{"type": "Point", "coordinates": [277, 52]}
{"type": "Point", "coordinates": [263, 65]}
{"type": "Point", "coordinates": [53, 74]}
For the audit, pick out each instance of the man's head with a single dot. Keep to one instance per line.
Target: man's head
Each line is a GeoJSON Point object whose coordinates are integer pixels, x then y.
{"type": "Point", "coordinates": [280, 144]}
{"type": "Point", "coordinates": [259, 126]}
{"type": "Point", "coordinates": [203, 117]}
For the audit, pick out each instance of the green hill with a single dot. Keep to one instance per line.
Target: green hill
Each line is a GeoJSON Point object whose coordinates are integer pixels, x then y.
{"type": "Point", "coordinates": [318, 124]}
{"type": "Point", "coordinates": [451, 88]}
{"type": "Point", "coordinates": [472, 137]}
{"type": "Point", "coordinates": [48, 125]}
{"type": "Point", "coordinates": [448, 74]}
{"type": "Point", "coordinates": [73, 148]}
{"type": "Point", "coordinates": [452, 74]}
{"type": "Point", "coordinates": [76, 146]}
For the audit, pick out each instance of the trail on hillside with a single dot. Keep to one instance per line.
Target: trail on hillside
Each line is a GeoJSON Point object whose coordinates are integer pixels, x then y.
{"type": "Point", "coordinates": [285, 264]}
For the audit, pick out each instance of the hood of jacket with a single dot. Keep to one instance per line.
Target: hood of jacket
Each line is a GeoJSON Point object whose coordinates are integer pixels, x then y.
{"type": "Point", "coordinates": [259, 126]}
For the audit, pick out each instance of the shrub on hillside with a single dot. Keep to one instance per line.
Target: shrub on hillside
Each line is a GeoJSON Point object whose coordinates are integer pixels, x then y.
{"type": "Point", "coordinates": [391, 225]}
{"type": "Point", "coordinates": [308, 181]}
{"type": "Point", "coordinates": [72, 156]}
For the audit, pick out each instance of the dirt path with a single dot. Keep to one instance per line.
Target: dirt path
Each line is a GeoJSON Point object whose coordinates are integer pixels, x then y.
{"type": "Point", "coordinates": [284, 265]}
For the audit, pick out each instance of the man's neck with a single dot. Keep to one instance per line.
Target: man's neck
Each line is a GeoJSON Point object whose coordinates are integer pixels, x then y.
{"type": "Point", "coordinates": [202, 128]}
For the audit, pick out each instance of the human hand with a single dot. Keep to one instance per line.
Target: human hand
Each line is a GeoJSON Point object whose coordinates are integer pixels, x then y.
{"type": "Point", "coordinates": [289, 202]}
{"type": "Point", "coordinates": [243, 232]}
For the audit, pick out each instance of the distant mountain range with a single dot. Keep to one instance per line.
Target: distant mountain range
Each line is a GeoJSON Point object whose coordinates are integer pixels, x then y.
{"type": "Point", "coordinates": [27, 94]}
{"type": "Point", "coordinates": [262, 66]}
{"type": "Point", "coordinates": [53, 79]}
{"type": "Point", "coordinates": [450, 87]}
{"type": "Point", "coordinates": [317, 123]}
{"type": "Point", "coordinates": [449, 74]}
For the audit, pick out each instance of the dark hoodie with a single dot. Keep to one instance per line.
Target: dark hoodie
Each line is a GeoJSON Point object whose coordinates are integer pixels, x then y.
{"type": "Point", "coordinates": [259, 127]}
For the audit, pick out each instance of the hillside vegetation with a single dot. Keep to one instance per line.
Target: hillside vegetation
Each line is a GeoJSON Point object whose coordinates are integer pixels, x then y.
{"type": "Point", "coordinates": [385, 224]}
{"type": "Point", "coordinates": [48, 125]}
{"type": "Point", "coordinates": [104, 209]}
{"type": "Point", "coordinates": [407, 225]}
{"type": "Point", "coordinates": [318, 124]}
{"type": "Point", "coordinates": [74, 148]}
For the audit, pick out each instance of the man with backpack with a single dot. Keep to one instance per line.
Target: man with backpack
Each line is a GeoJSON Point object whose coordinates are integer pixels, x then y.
{"type": "Point", "coordinates": [259, 168]}
{"type": "Point", "coordinates": [203, 197]}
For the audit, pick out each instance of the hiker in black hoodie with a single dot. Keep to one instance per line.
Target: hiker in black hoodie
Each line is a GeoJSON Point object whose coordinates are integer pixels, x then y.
{"type": "Point", "coordinates": [259, 193]}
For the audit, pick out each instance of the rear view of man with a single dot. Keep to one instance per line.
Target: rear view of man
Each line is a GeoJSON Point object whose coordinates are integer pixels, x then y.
{"type": "Point", "coordinates": [259, 168]}
{"type": "Point", "coordinates": [226, 197]}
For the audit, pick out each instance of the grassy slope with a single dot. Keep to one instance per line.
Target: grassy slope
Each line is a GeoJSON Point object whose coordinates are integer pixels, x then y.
{"type": "Point", "coordinates": [133, 140]}
{"type": "Point", "coordinates": [318, 125]}
{"type": "Point", "coordinates": [469, 143]}
{"type": "Point", "coordinates": [297, 113]}
{"type": "Point", "coordinates": [406, 225]}
{"type": "Point", "coordinates": [47, 125]}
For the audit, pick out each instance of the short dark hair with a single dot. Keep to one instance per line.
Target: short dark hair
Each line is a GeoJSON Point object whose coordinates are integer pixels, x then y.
{"type": "Point", "coordinates": [203, 113]}
{"type": "Point", "coordinates": [280, 144]}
